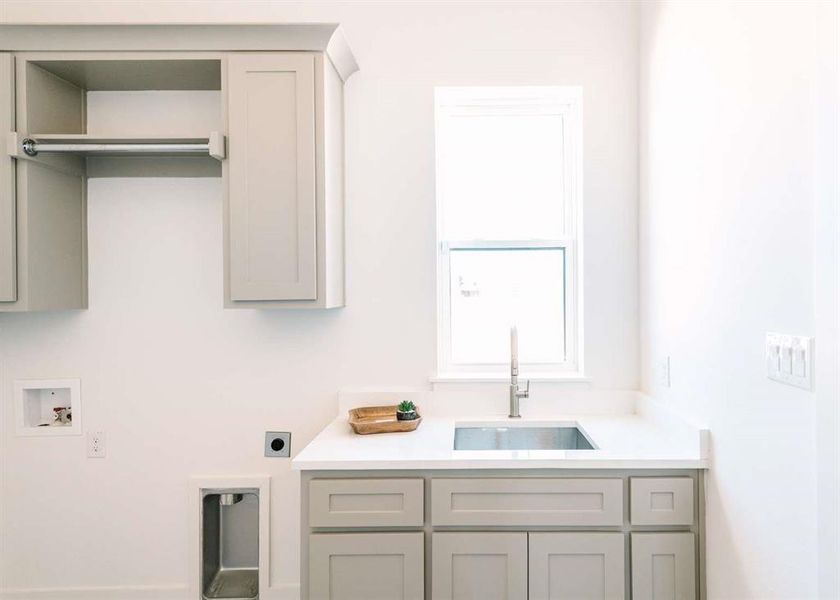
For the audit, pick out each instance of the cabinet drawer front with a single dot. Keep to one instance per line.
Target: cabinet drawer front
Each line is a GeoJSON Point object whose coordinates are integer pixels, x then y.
{"type": "Point", "coordinates": [524, 502]}
{"type": "Point", "coordinates": [366, 503]}
{"type": "Point", "coordinates": [661, 500]}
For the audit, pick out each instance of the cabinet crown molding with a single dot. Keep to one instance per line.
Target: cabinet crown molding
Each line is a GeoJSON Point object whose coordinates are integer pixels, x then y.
{"type": "Point", "coordinates": [302, 37]}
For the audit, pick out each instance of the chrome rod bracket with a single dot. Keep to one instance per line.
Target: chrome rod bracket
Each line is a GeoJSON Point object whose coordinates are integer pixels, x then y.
{"type": "Point", "coordinates": [29, 147]}
{"type": "Point", "coordinates": [216, 145]}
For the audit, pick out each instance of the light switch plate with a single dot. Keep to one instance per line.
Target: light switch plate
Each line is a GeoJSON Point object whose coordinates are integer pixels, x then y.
{"type": "Point", "coordinates": [790, 359]}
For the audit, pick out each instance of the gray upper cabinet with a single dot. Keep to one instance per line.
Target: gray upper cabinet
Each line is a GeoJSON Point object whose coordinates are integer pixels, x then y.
{"type": "Point", "coordinates": [285, 209]}
{"type": "Point", "coordinates": [276, 143]}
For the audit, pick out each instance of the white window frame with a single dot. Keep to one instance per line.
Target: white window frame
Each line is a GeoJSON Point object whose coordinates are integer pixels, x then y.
{"type": "Point", "coordinates": [565, 101]}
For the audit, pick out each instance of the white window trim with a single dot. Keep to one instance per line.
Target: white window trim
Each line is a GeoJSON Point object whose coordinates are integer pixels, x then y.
{"type": "Point", "coordinates": [529, 99]}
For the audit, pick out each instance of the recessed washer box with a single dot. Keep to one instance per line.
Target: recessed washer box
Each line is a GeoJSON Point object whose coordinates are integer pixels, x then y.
{"type": "Point", "coordinates": [48, 407]}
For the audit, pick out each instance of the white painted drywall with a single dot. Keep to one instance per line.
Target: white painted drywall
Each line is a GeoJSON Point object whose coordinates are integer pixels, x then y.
{"type": "Point", "coordinates": [827, 290]}
{"type": "Point", "coordinates": [185, 388]}
{"type": "Point", "coordinates": [727, 151]}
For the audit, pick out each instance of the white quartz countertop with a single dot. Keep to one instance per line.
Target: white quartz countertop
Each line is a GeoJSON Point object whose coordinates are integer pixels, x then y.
{"type": "Point", "coordinates": [623, 441]}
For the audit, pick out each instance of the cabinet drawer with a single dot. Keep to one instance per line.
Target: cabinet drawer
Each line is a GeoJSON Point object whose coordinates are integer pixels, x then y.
{"type": "Point", "coordinates": [525, 502]}
{"type": "Point", "coordinates": [661, 500]}
{"type": "Point", "coordinates": [366, 503]}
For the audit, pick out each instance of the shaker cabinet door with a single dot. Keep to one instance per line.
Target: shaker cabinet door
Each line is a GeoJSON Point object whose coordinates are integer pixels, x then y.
{"type": "Point", "coordinates": [8, 248]}
{"type": "Point", "coordinates": [576, 566]}
{"type": "Point", "coordinates": [271, 221]}
{"type": "Point", "coordinates": [480, 566]}
{"type": "Point", "coordinates": [663, 566]}
{"type": "Point", "coordinates": [366, 566]}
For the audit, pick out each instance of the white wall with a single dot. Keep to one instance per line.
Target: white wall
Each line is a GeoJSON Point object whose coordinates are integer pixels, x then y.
{"type": "Point", "coordinates": [185, 388]}
{"type": "Point", "coordinates": [827, 289]}
{"type": "Point", "coordinates": [728, 140]}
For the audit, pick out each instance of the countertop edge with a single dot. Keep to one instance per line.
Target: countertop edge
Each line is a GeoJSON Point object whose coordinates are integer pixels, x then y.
{"type": "Point", "coordinates": [503, 464]}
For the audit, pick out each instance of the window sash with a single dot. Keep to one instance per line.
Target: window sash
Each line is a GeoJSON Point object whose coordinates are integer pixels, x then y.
{"type": "Point", "coordinates": [445, 361]}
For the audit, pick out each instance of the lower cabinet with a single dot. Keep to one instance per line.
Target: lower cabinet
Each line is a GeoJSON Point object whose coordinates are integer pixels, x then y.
{"type": "Point", "coordinates": [485, 566]}
{"type": "Point", "coordinates": [366, 566]}
{"type": "Point", "coordinates": [576, 566]}
{"type": "Point", "coordinates": [663, 566]}
{"type": "Point", "coordinates": [377, 538]}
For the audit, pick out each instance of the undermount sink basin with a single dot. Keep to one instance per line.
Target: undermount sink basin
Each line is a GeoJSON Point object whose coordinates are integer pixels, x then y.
{"type": "Point", "coordinates": [521, 438]}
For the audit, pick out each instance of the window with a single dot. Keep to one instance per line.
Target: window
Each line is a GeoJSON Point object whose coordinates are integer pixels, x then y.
{"type": "Point", "coordinates": [508, 198]}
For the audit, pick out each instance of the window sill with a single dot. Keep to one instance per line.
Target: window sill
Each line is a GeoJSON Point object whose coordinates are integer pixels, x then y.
{"type": "Point", "coordinates": [571, 377]}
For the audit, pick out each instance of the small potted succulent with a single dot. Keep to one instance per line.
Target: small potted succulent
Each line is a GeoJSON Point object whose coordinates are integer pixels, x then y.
{"type": "Point", "coordinates": [406, 411]}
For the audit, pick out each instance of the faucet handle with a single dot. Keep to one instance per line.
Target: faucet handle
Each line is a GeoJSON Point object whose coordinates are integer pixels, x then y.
{"type": "Point", "coordinates": [527, 388]}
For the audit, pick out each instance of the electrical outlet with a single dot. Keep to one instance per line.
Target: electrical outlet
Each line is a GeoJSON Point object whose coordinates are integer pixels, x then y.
{"type": "Point", "coordinates": [278, 444]}
{"type": "Point", "coordinates": [663, 372]}
{"type": "Point", "coordinates": [96, 444]}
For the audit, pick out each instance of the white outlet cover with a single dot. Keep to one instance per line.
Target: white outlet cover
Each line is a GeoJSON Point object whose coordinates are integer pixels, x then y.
{"type": "Point", "coordinates": [96, 444]}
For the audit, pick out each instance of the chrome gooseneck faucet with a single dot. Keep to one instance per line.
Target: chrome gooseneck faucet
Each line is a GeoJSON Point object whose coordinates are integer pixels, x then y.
{"type": "Point", "coordinates": [515, 392]}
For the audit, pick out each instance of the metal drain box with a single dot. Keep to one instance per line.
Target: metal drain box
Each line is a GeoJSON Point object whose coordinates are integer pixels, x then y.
{"type": "Point", "coordinates": [230, 543]}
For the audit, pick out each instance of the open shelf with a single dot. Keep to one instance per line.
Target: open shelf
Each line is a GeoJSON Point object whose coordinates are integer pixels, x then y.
{"type": "Point", "coordinates": [90, 99]}
{"type": "Point", "coordinates": [137, 74]}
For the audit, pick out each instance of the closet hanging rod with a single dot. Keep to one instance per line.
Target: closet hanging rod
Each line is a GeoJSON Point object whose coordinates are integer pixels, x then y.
{"type": "Point", "coordinates": [33, 147]}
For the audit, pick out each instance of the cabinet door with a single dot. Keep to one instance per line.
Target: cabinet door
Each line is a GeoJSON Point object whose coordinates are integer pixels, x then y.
{"type": "Point", "coordinates": [663, 566]}
{"type": "Point", "coordinates": [366, 566]}
{"type": "Point", "coordinates": [271, 173]}
{"type": "Point", "coordinates": [576, 566]}
{"type": "Point", "coordinates": [480, 566]}
{"type": "Point", "coordinates": [8, 248]}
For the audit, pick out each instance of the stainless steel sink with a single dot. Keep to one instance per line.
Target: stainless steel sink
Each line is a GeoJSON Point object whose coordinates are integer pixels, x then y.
{"type": "Point", "coordinates": [521, 438]}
